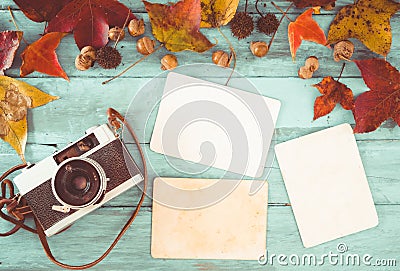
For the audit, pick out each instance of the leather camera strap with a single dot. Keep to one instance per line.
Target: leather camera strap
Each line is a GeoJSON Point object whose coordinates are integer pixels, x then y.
{"type": "Point", "coordinates": [14, 205]}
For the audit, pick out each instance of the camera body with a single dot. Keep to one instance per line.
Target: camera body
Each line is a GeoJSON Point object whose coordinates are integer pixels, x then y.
{"type": "Point", "coordinates": [78, 179]}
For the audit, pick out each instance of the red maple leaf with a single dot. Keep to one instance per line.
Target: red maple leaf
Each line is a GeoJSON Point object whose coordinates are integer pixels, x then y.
{"type": "Point", "coordinates": [304, 28]}
{"type": "Point", "coordinates": [383, 100]}
{"type": "Point", "coordinates": [9, 43]}
{"type": "Point", "coordinates": [89, 20]}
{"type": "Point", "coordinates": [39, 10]}
{"type": "Point", "coordinates": [333, 92]}
{"type": "Point", "coordinates": [41, 56]}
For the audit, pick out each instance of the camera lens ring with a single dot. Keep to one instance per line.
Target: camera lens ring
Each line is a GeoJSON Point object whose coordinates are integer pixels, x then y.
{"type": "Point", "coordinates": [79, 182]}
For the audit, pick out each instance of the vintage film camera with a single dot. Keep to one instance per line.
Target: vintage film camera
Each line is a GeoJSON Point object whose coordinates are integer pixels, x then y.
{"type": "Point", "coordinates": [78, 179]}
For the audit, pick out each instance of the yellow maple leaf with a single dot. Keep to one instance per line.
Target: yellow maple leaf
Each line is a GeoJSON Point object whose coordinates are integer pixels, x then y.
{"type": "Point", "coordinates": [15, 97]}
{"type": "Point", "coordinates": [216, 13]}
{"type": "Point", "coordinates": [367, 21]}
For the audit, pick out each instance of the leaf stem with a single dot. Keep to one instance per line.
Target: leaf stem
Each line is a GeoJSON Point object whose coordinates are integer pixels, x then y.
{"type": "Point", "coordinates": [256, 5]}
{"type": "Point", "coordinates": [233, 52]}
{"type": "Point", "coordinates": [280, 21]}
{"type": "Point", "coordinates": [16, 26]}
{"type": "Point", "coordinates": [132, 65]}
{"type": "Point", "coordinates": [123, 27]}
{"type": "Point", "coordinates": [283, 12]}
{"type": "Point", "coordinates": [341, 72]}
{"type": "Point", "coordinates": [245, 7]}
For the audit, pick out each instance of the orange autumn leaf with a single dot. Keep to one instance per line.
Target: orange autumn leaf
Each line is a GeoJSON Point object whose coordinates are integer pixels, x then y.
{"type": "Point", "coordinates": [333, 92]}
{"type": "Point", "coordinates": [41, 56]}
{"type": "Point", "coordinates": [177, 25]}
{"type": "Point", "coordinates": [304, 28]}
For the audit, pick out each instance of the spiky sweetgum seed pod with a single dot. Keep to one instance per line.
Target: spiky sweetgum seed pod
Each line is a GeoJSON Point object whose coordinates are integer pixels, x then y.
{"type": "Point", "coordinates": [242, 25]}
{"type": "Point", "coordinates": [108, 57]}
{"type": "Point", "coordinates": [268, 24]}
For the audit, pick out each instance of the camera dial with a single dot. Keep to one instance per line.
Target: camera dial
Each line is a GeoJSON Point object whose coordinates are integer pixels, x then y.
{"type": "Point", "coordinates": [78, 183]}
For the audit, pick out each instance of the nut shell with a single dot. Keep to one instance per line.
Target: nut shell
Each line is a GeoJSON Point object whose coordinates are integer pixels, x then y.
{"type": "Point", "coordinates": [259, 48]}
{"type": "Point", "coordinates": [145, 46]}
{"type": "Point", "coordinates": [343, 50]}
{"type": "Point", "coordinates": [169, 62]}
{"type": "Point", "coordinates": [221, 58]}
{"type": "Point", "coordinates": [136, 27]}
{"type": "Point", "coordinates": [116, 31]}
{"type": "Point", "coordinates": [83, 62]}
{"type": "Point", "coordinates": [329, 6]}
{"type": "Point", "coordinates": [305, 73]}
{"type": "Point", "coordinates": [89, 51]}
{"type": "Point", "coordinates": [312, 63]}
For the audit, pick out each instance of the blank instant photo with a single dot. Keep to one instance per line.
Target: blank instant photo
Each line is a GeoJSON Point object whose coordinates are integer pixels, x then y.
{"type": "Point", "coordinates": [208, 219]}
{"type": "Point", "coordinates": [327, 185]}
{"type": "Point", "coordinates": [214, 125]}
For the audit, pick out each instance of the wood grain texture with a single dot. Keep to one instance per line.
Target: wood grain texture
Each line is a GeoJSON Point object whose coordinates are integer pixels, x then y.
{"type": "Point", "coordinates": [80, 244]}
{"type": "Point", "coordinates": [84, 101]}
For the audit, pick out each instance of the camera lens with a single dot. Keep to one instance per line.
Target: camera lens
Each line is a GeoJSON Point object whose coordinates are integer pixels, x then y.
{"type": "Point", "coordinates": [79, 182]}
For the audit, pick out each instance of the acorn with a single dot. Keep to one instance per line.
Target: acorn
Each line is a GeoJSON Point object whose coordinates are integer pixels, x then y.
{"type": "Point", "coordinates": [89, 51]}
{"type": "Point", "coordinates": [108, 57]}
{"type": "Point", "coordinates": [145, 46]}
{"type": "Point", "coordinates": [242, 25]}
{"type": "Point", "coordinates": [343, 50]}
{"type": "Point", "coordinates": [83, 62]}
{"type": "Point", "coordinates": [329, 6]}
{"type": "Point", "coordinates": [305, 73]}
{"type": "Point", "coordinates": [221, 58]}
{"type": "Point", "coordinates": [259, 48]}
{"type": "Point", "coordinates": [136, 27]}
{"type": "Point", "coordinates": [169, 62]}
{"type": "Point", "coordinates": [312, 63]}
{"type": "Point", "coordinates": [116, 32]}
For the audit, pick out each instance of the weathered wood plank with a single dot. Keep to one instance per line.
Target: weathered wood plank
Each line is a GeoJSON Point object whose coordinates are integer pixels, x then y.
{"type": "Point", "coordinates": [278, 63]}
{"type": "Point", "coordinates": [89, 237]}
{"type": "Point", "coordinates": [380, 159]}
{"type": "Point", "coordinates": [84, 102]}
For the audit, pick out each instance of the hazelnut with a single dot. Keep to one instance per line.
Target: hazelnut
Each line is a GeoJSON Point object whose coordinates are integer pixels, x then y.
{"type": "Point", "coordinates": [305, 73]}
{"type": "Point", "coordinates": [221, 58]}
{"type": "Point", "coordinates": [259, 48]}
{"type": "Point", "coordinates": [116, 33]}
{"type": "Point", "coordinates": [89, 51]}
{"type": "Point", "coordinates": [136, 27]}
{"type": "Point", "coordinates": [169, 62]}
{"type": "Point", "coordinates": [83, 62]}
{"type": "Point", "coordinates": [145, 46]}
{"type": "Point", "coordinates": [343, 50]}
{"type": "Point", "coordinates": [312, 63]}
{"type": "Point", "coordinates": [329, 6]}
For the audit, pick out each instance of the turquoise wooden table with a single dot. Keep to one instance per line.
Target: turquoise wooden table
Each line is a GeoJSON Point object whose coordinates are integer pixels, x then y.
{"type": "Point", "coordinates": [84, 101]}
